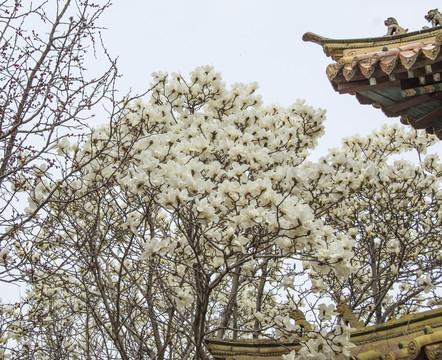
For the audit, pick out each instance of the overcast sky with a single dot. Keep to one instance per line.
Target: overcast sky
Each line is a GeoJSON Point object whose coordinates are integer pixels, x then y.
{"type": "Point", "coordinates": [256, 40]}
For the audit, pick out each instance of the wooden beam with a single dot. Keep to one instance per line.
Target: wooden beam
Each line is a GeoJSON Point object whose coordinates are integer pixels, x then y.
{"type": "Point", "coordinates": [364, 100]}
{"type": "Point", "coordinates": [425, 121]}
{"type": "Point", "coordinates": [408, 103]}
{"type": "Point", "coordinates": [436, 96]}
{"type": "Point", "coordinates": [365, 86]}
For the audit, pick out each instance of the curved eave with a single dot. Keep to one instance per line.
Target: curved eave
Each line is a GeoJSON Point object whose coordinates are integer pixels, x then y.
{"type": "Point", "coordinates": [336, 48]}
{"type": "Point", "coordinates": [400, 74]}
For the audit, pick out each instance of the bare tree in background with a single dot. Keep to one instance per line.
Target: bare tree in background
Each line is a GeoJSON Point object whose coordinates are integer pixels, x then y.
{"type": "Point", "coordinates": [46, 95]}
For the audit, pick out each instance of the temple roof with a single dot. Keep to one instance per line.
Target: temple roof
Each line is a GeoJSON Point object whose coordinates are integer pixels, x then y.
{"type": "Point", "coordinates": [414, 336]}
{"type": "Point", "coordinates": [400, 74]}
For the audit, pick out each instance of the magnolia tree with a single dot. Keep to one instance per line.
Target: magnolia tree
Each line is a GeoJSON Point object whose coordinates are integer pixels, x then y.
{"type": "Point", "coordinates": [188, 224]}
{"type": "Point", "coordinates": [45, 98]}
{"type": "Point", "coordinates": [392, 209]}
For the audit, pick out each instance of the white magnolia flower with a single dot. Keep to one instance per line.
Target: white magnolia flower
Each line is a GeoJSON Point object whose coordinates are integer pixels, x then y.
{"type": "Point", "coordinates": [287, 282]}
{"type": "Point", "coordinates": [290, 356]}
{"type": "Point", "coordinates": [63, 146]}
{"type": "Point", "coordinates": [153, 247]}
{"type": "Point", "coordinates": [183, 299]}
{"type": "Point", "coordinates": [326, 312]}
{"type": "Point", "coordinates": [393, 245]}
{"type": "Point", "coordinates": [218, 261]}
{"type": "Point", "coordinates": [259, 316]}
{"type": "Point", "coordinates": [425, 283]}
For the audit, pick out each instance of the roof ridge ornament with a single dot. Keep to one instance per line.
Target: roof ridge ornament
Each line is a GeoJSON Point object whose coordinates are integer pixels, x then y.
{"type": "Point", "coordinates": [393, 27]}
{"type": "Point", "coordinates": [399, 72]}
{"type": "Point", "coordinates": [434, 17]}
{"type": "Point", "coordinates": [348, 317]}
{"type": "Point", "coordinates": [300, 320]}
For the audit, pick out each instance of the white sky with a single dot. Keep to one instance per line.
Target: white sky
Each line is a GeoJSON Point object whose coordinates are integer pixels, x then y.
{"type": "Point", "coordinates": [256, 40]}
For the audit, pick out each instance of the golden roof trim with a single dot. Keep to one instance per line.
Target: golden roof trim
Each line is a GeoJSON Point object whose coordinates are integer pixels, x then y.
{"type": "Point", "coordinates": [336, 48]}
{"type": "Point", "coordinates": [417, 331]}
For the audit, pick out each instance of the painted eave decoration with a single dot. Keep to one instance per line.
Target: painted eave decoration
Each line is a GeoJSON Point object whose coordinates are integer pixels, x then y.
{"type": "Point", "coordinates": [399, 73]}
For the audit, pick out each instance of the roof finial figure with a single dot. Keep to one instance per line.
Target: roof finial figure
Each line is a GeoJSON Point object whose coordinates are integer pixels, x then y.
{"type": "Point", "coordinates": [348, 317]}
{"type": "Point", "coordinates": [393, 27]}
{"type": "Point", "coordinates": [435, 17]}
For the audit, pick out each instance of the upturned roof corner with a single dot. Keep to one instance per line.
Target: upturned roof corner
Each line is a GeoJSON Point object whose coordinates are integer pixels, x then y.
{"type": "Point", "coordinates": [399, 72]}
